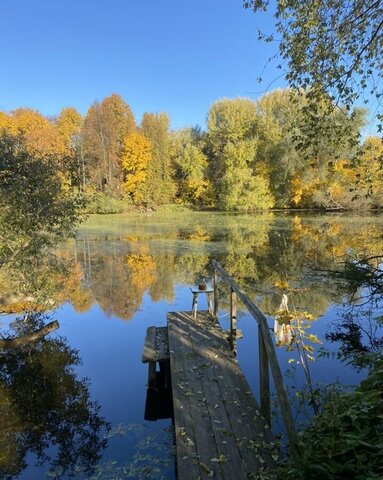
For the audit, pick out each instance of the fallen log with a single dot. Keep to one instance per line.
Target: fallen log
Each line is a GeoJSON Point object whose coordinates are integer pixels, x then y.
{"type": "Point", "coordinates": [6, 343]}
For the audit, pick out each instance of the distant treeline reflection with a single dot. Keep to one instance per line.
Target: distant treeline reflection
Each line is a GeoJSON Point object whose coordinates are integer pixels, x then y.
{"type": "Point", "coordinates": [261, 253]}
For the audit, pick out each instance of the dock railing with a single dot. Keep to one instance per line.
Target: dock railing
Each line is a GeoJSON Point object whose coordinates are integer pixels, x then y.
{"type": "Point", "coordinates": [266, 350]}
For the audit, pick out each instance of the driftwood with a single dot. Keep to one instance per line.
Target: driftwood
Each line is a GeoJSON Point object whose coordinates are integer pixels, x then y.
{"type": "Point", "coordinates": [6, 343]}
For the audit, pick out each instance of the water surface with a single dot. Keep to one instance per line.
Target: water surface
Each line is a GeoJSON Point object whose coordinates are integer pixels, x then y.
{"type": "Point", "coordinates": [76, 406]}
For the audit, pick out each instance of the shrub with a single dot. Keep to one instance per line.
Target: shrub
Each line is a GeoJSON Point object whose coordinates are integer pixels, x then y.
{"type": "Point", "coordinates": [106, 204]}
{"type": "Point", "coordinates": [345, 441]}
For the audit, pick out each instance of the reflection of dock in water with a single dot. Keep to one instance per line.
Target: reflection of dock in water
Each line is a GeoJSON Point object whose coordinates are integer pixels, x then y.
{"type": "Point", "coordinates": [159, 404]}
{"type": "Point", "coordinates": [220, 430]}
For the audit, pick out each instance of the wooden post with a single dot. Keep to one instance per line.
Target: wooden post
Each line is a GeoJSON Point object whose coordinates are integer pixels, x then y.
{"type": "Point", "coordinates": [216, 299]}
{"type": "Point", "coordinates": [152, 376]}
{"type": "Point", "coordinates": [233, 317]}
{"type": "Point", "coordinates": [209, 303]}
{"type": "Point", "coordinates": [264, 381]}
{"type": "Point", "coordinates": [195, 305]}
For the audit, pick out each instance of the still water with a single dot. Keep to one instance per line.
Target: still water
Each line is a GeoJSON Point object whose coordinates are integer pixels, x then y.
{"type": "Point", "coordinates": [75, 407]}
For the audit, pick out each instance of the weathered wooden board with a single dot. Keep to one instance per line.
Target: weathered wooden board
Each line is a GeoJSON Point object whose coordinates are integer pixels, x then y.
{"type": "Point", "coordinates": [156, 346]}
{"type": "Point", "coordinates": [220, 433]}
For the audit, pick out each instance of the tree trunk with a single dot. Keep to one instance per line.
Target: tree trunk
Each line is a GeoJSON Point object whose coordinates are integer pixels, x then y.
{"type": "Point", "coordinates": [6, 343]}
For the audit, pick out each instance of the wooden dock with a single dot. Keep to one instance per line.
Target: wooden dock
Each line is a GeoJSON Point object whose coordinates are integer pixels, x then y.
{"type": "Point", "coordinates": [219, 430]}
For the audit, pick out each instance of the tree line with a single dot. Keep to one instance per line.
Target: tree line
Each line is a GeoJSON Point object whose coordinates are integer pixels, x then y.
{"type": "Point", "coordinates": [248, 158]}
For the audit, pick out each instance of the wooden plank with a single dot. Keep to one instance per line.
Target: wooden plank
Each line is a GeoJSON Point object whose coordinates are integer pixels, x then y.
{"type": "Point", "coordinates": [250, 429]}
{"type": "Point", "coordinates": [271, 354]}
{"type": "Point", "coordinates": [205, 346]}
{"type": "Point", "coordinates": [149, 354]}
{"type": "Point", "coordinates": [219, 408]}
{"type": "Point", "coordinates": [192, 457]}
{"type": "Point", "coordinates": [162, 344]}
{"type": "Point", "coordinates": [156, 346]}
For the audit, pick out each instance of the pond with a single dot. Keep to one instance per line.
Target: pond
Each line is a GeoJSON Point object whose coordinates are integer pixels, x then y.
{"type": "Point", "coordinates": [76, 407]}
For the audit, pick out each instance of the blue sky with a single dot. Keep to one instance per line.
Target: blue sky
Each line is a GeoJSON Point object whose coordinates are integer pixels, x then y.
{"type": "Point", "coordinates": [159, 55]}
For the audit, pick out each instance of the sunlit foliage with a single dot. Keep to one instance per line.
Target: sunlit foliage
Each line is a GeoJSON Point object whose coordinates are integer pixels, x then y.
{"type": "Point", "coordinates": [160, 187]}
{"type": "Point", "coordinates": [135, 157]}
{"type": "Point", "coordinates": [36, 211]}
{"type": "Point", "coordinates": [37, 133]}
{"type": "Point", "coordinates": [105, 126]}
{"type": "Point", "coordinates": [232, 143]}
{"type": "Point", "coordinates": [332, 51]}
{"type": "Point", "coordinates": [249, 158]}
{"type": "Point", "coordinates": [190, 166]}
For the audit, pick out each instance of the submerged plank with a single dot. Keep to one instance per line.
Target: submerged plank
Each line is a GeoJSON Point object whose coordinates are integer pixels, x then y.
{"type": "Point", "coordinates": [219, 430]}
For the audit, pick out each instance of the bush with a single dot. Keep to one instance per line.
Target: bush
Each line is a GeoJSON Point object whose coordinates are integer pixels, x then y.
{"type": "Point", "coordinates": [345, 441]}
{"type": "Point", "coordinates": [107, 204]}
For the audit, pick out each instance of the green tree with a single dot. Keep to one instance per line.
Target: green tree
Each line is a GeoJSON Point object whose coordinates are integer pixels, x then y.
{"type": "Point", "coordinates": [190, 166]}
{"type": "Point", "coordinates": [295, 177]}
{"type": "Point", "coordinates": [160, 188]}
{"type": "Point", "coordinates": [36, 211]}
{"type": "Point", "coordinates": [231, 120]}
{"type": "Point", "coordinates": [232, 141]}
{"type": "Point", "coordinates": [333, 51]}
{"type": "Point", "coordinates": [277, 116]}
{"type": "Point", "coordinates": [240, 188]}
{"type": "Point", "coordinates": [368, 170]}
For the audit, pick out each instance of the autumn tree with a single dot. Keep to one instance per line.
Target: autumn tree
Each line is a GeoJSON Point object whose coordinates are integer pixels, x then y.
{"type": "Point", "coordinates": [36, 211]}
{"type": "Point", "coordinates": [37, 133]}
{"type": "Point", "coordinates": [160, 187]}
{"type": "Point", "coordinates": [4, 120]}
{"type": "Point", "coordinates": [277, 118]}
{"type": "Point", "coordinates": [296, 178]}
{"type": "Point", "coordinates": [368, 172]}
{"type": "Point", "coordinates": [105, 127]}
{"type": "Point", "coordinates": [68, 126]}
{"type": "Point", "coordinates": [135, 157]}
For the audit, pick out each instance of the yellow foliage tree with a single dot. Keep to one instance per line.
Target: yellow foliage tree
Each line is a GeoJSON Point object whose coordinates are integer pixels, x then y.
{"type": "Point", "coordinates": [302, 190]}
{"type": "Point", "coordinates": [4, 120]}
{"type": "Point", "coordinates": [37, 132]}
{"type": "Point", "coordinates": [68, 126]}
{"type": "Point", "coordinates": [135, 157]}
{"type": "Point", "coordinates": [369, 171]}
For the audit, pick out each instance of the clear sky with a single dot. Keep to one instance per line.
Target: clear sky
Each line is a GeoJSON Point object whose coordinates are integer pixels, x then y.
{"type": "Point", "coordinates": [159, 55]}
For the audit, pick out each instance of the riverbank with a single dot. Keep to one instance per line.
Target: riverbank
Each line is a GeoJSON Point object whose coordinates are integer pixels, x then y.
{"type": "Point", "coordinates": [102, 204]}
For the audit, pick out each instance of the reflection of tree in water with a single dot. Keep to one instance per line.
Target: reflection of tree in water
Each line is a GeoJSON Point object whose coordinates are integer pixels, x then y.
{"type": "Point", "coordinates": [359, 335]}
{"type": "Point", "coordinates": [257, 251]}
{"type": "Point", "coordinates": [119, 281]}
{"type": "Point", "coordinates": [45, 409]}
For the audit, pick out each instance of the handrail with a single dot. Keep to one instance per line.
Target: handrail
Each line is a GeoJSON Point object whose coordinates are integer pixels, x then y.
{"type": "Point", "coordinates": [267, 355]}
